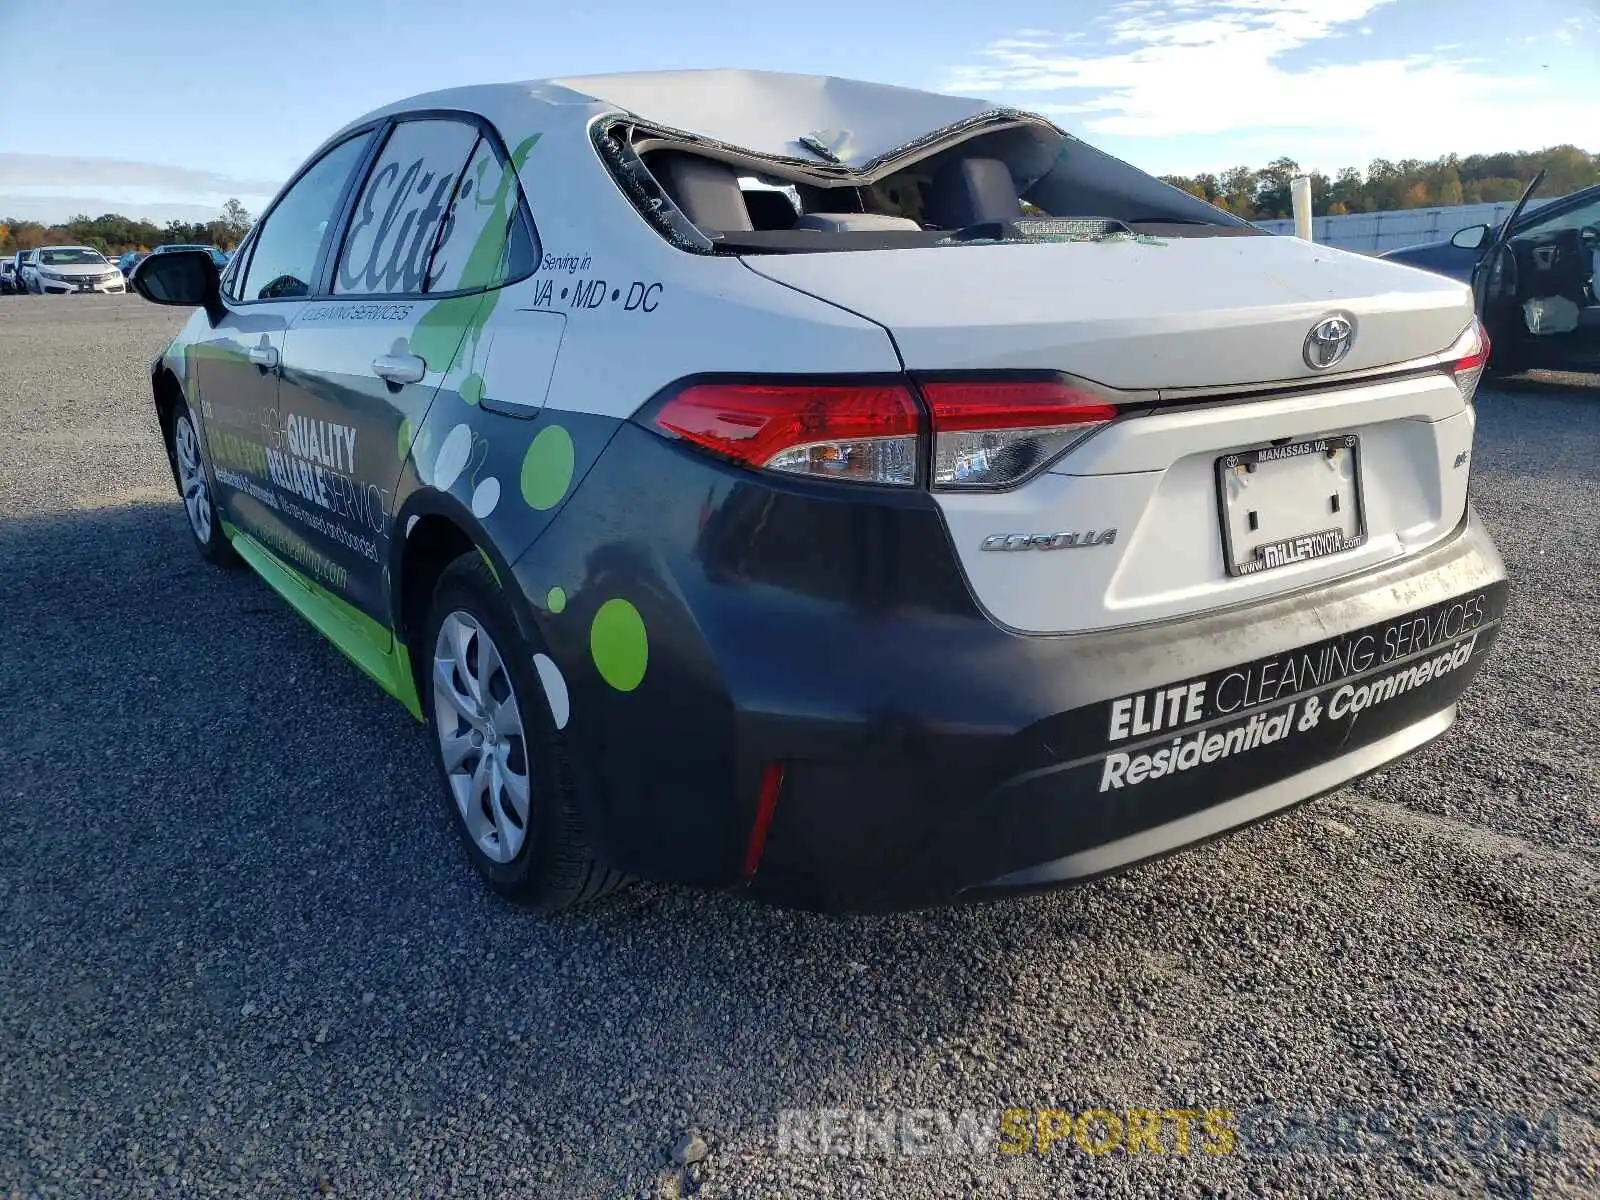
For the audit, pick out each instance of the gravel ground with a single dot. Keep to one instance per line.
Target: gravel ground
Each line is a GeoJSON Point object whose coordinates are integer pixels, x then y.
{"type": "Point", "coordinates": [241, 953]}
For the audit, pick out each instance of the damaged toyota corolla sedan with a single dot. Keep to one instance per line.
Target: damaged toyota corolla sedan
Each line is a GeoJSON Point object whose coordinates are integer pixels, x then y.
{"type": "Point", "coordinates": [851, 496]}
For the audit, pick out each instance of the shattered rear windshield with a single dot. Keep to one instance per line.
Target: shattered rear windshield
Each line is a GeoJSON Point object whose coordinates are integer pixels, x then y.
{"type": "Point", "coordinates": [1017, 184]}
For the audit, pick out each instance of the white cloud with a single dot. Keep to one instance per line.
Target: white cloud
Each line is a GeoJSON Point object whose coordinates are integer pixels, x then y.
{"type": "Point", "coordinates": [71, 171]}
{"type": "Point", "coordinates": [55, 187]}
{"type": "Point", "coordinates": [1217, 69]}
{"type": "Point", "coordinates": [51, 209]}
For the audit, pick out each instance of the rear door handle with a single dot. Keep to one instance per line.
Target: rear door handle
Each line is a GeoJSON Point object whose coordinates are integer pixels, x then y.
{"type": "Point", "coordinates": [265, 357]}
{"type": "Point", "coordinates": [399, 368]}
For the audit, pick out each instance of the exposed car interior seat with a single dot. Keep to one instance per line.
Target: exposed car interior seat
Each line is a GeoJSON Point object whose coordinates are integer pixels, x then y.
{"type": "Point", "coordinates": [1553, 264]}
{"type": "Point", "coordinates": [963, 191]}
{"type": "Point", "coordinates": [975, 186]}
{"type": "Point", "coordinates": [971, 191]}
{"type": "Point", "coordinates": [707, 191]}
{"type": "Point", "coordinates": [1553, 280]}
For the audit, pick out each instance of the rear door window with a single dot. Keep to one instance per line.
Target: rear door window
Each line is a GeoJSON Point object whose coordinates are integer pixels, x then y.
{"type": "Point", "coordinates": [402, 209]}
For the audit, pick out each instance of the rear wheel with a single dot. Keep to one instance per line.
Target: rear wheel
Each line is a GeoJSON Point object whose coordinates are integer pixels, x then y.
{"type": "Point", "coordinates": [500, 757]}
{"type": "Point", "coordinates": [194, 485]}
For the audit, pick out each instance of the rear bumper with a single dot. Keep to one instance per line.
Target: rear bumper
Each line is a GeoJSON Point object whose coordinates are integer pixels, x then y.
{"type": "Point", "coordinates": [1227, 815]}
{"type": "Point", "coordinates": [929, 754]}
{"type": "Point", "coordinates": [1163, 736]}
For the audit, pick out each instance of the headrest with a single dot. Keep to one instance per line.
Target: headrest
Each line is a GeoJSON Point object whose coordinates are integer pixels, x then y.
{"type": "Point", "coordinates": [971, 191]}
{"type": "Point", "coordinates": [707, 191]}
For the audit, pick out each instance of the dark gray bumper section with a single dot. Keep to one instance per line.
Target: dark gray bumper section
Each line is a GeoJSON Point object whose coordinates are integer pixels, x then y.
{"type": "Point", "coordinates": [1356, 677]}
{"type": "Point", "coordinates": [1232, 814]}
{"type": "Point", "coordinates": [1140, 741]}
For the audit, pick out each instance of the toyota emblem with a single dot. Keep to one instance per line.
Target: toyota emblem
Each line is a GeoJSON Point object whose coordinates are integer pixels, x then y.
{"type": "Point", "coordinates": [1329, 341]}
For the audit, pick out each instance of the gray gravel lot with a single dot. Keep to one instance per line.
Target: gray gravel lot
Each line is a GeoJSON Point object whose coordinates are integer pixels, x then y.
{"type": "Point", "coordinates": [241, 953]}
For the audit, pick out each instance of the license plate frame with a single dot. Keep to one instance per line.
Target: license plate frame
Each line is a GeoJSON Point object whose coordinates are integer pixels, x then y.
{"type": "Point", "coordinates": [1289, 460]}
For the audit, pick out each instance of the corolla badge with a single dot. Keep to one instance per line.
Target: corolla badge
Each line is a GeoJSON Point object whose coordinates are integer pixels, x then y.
{"type": "Point", "coordinates": [1329, 341]}
{"type": "Point", "coordinates": [1049, 541]}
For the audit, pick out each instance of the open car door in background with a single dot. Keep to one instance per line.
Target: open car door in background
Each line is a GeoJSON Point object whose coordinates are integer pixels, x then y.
{"type": "Point", "coordinates": [1556, 254]}
{"type": "Point", "coordinates": [1494, 289]}
{"type": "Point", "coordinates": [1537, 285]}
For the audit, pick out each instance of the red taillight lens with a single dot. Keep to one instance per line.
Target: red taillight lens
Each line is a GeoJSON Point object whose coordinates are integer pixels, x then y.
{"type": "Point", "coordinates": [865, 433]}
{"type": "Point", "coordinates": [1468, 357]}
{"type": "Point", "coordinates": [994, 433]}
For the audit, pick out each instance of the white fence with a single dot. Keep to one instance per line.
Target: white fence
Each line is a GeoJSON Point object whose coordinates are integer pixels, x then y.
{"type": "Point", "coordinates": [1373, 233]}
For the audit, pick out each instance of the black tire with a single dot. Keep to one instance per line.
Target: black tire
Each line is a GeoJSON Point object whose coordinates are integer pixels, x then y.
{"type": "Point", "coordinates": [209, 539]}
{"type": "Point", "coordinates": [554, 869]}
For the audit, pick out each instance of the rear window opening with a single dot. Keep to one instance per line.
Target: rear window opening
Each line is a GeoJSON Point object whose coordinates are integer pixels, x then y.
{"type": "Point", "coordinates": [1025, 182]}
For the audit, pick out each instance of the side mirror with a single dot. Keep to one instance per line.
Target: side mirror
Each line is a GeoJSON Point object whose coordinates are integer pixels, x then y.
{"type": "Point", "coordinates": [187, 278]}
{"type": "Point", "coordinates": [1470, 238]}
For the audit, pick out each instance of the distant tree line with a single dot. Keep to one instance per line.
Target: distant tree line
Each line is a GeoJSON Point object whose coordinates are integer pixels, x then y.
{"type": "Point", "coordinates": [1262, 195]}
{"type": "Point", "coordinates": [1257, 194]}
{"type": "Point", "coordinates": [116, 234]}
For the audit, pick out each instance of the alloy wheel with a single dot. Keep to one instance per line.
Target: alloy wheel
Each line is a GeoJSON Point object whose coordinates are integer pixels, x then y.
{"type": "Point", "coordinates": [481, 740]}
{"type": "Point", "coordinates": [192, 478]}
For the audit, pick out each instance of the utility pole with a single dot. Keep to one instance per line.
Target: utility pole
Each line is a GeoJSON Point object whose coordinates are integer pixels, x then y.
{"type": "Point", "coordinates": [1300, 198]}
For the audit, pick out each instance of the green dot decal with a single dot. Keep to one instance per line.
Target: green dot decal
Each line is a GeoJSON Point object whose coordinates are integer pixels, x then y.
{"type": "Point", "coordinates": [403, 441]}
{"type": "Point", "coordinates": [547, 468]}
{"type": "Point", "coordinates": [618, 644]}
{"type": "Point", "coordinates": [472, 389]}
{"type": "Point", "coordinates": [556, 600]}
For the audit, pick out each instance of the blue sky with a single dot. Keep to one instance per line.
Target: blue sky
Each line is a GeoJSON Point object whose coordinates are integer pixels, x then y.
{"type": "Point", "coordinates": [167, 107]}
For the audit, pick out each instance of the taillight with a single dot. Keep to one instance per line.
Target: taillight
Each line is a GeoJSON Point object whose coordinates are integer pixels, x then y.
{"type": "Point", "coordinates": [864, 433]}
{"type": "Point", "coordinates": [994, 433]}
{"type": "Point", "coordinates": [1468, 357]}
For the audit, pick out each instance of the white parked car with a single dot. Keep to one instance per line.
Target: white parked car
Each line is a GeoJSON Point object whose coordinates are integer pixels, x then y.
{"type": "Point", "coordinates": [60, 270]}
{"type": "Point", "coordinates": [850, 495]}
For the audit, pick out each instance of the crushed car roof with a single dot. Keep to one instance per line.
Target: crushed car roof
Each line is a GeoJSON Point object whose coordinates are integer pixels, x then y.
{"type": "Point", "coordinates": [767, 112]}
{"type": "Point", "coordinates": [845, 121]}
{"type": "Point", "coordinates": [816, 126]}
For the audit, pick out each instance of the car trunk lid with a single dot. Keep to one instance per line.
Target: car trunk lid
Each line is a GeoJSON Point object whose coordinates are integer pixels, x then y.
{"type": "Point", "coordinates": [1134, 314]}
{"type": "Point", "coordinates": [1172, 509]}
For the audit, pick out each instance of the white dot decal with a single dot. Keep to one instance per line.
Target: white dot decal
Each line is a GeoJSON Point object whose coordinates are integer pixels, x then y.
{"type": "Point", "coordinates": [486, 497]}
{"type": "Point", "coordinates": [555, 688]}
{"type": "Point", "coordinates": [452, 457]}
